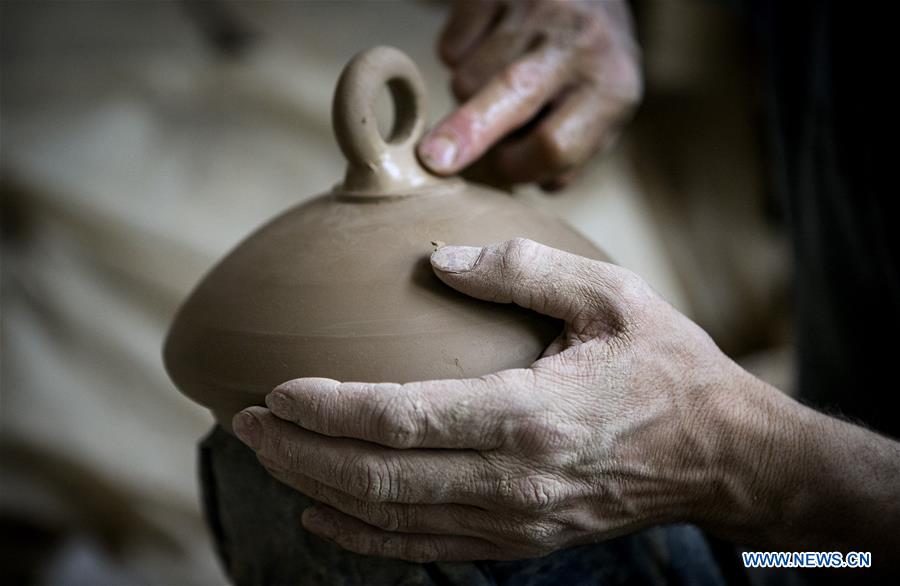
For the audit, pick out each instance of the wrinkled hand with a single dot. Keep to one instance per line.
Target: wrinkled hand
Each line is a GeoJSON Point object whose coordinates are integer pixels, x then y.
{"type": "Point", "coordinates": [567, 71]}
{"type": "Point", "coordinates": [607, 433]}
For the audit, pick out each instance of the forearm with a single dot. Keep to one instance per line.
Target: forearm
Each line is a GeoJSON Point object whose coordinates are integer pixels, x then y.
{"type": "Point", "coordinates": [852, 480]}
{"type": "Point", "coordinates": [792, 478]}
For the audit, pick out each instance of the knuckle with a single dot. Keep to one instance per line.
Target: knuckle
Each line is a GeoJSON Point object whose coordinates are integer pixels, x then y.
{"type": "Point", "coordinates": [349, 477]}
{"type": "Point", "coordinates": [386, 517]}
{"type": "Point", "coordinates": [627, 290]}
{"type": "Point", "coordinates": [378, 485]}
{"type": "Point", "coordinates": [520, 79]}
{"type": "Point", "coordinates": [502, 490]}
{"type": "Point", "coordinates": [517, 255]}
{"type": "Point", "coordinates": [634, 292]}
{"type": "Point", "coordinates": [530, 537]}
{"type": "Point", "coordinates": [537, 535]}
{"type": "Point", "coordinates": [365, 478]}
{"type": "Point", "coordinates": [283, 453]}
{"type": "Point", "coordinates": [315, 490]}
{"type": "Point", "coordinates": [371, 483]}
{"type": "Point", "coordinates": [379, 516]}
{"type": "Point", "coordinates": [535, 494]}
{"type": "Point", "coordinates": [400, 422]}
{"type": "Point", "coordinates": [515, 246]}
{"type": "Point", "coordinates": [626, 281]}
{"type": "Point", "coordinates": [632, 282]}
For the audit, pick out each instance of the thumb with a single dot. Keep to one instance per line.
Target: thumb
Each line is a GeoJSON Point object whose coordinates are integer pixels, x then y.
{"type": "Point", "coordinates": [583, 292]}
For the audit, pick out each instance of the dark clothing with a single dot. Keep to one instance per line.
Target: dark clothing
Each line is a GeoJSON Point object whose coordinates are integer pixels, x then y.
{"type": "Point", "coordinates": [827, 79]}
{"type": "Point", "coordinates": [256, 524]}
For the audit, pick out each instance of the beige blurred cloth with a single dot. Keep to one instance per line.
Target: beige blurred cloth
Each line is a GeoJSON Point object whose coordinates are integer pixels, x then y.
{"type": "Point", "coordinates": [133, 156]}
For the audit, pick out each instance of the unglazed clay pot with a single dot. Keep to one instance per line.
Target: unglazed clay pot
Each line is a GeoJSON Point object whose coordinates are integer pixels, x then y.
{"type": "Point", "coordinates": [341, 286]}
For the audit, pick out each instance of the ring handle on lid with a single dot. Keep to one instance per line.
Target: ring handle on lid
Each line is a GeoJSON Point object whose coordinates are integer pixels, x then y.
{"type": "Point", "coordinates": [376, 166]}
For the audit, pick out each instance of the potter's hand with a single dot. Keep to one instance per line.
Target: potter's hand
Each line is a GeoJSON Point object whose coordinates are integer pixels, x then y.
{"type": "Point", "coordinates": [633, 417]}
{"type": "Point", "coordinates": [611, 431]}
{"type": "Point", "coordinates": [571, 67]}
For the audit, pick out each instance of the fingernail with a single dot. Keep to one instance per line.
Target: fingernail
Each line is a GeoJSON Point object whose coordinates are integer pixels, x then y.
{"type": "Point", "coordinates": [439, 153]}
{"type": "Point", "coordinates": [456, 259]}
{"type": "Point", "coordinates": [278, 402]}
{"type": "Point", "coordinates": [247, 428]}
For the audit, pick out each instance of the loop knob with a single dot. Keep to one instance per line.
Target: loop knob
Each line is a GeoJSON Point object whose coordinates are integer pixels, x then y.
{"type": "Point", "coordinates": [377, 166]}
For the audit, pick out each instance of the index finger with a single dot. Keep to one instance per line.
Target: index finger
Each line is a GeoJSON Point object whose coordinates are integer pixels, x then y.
{"type": "Point", "coordinates": [460, 414]}
{"type": "Point", "coordinates": [507, 101]}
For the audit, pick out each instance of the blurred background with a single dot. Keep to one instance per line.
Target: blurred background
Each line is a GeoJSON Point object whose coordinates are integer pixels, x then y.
{"type": "Point", "coordinates": [142, 140]}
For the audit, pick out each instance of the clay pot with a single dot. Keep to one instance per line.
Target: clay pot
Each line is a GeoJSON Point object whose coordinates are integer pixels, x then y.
{"type": "Point", "coordinates": [341, 286]}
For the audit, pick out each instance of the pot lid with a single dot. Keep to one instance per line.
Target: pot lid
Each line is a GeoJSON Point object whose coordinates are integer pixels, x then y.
{"type": "Point", "coordinates": [341, 286]}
